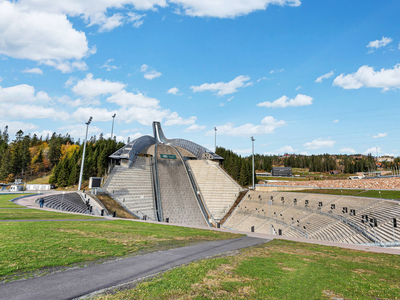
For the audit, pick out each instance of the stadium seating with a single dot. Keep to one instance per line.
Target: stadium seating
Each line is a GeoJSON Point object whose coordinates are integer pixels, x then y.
{"type": "Point", "coordinates": [133, 188]}
{"type": "Point", "coordinates": [321, 223]}
{"type": "Point", "coordinates": [72, 202]}
{"type": "Point", "coordinates": [178, 199]}
{"type": "Point", "coordinates": [217, 188]}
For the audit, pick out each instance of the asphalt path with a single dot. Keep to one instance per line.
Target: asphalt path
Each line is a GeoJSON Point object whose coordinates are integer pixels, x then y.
{"type": "Point", "coordinates": [82, 281]}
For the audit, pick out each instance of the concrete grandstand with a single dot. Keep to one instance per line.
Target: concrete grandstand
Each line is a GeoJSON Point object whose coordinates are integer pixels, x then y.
{"type": "Point", "coordinates": [172, 180]}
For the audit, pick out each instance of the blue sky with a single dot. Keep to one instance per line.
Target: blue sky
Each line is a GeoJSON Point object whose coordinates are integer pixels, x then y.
{"type": "Point", "coordinates": [301, 76]}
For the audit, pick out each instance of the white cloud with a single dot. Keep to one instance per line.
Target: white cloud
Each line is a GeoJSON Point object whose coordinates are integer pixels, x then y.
{"type": "Point", "coordinates": [262, 78]}
{"type": "Point", "coordinates": [326, 76]}
{"type": "Point", "coordinates": [15, 126]}
{"type": "Point", "coordinates": [222, 104]}
{"type": "Point", "coordinates": [367, 77]}
{"type": "Point", "coordinates": [194, 128]}
{"type": "Point", "coordinates": [123, 98]}
{"type": "Point", "coordinates": [1, 79]}
{"type": "Point", "coordinates": [23, 93]}
{"type": "Point", "coordinates": [319, 143]}
{"type": "Point", "coordinates": [33, 71]}
{"type": "Point", "coordinates": [298, 88]}
{"type": "Point", "coordinates": [283, 150]}
{"type": "Point", "coordinates": [90, 87]}
{"type": "Point", "coordinates": [336, 121]}
{"type": "Point", "coordinates": [228, 8]}
{"type": "Point", "coordinates": [373, 151]}
{"type": "Point", "coordinates": [379, 43]}
{"type": "Point", "coordinates": [136, 19]}
{"type": "Point", "coordinates": [230, 99]}
{"type": "Point", "coordinates": [152, 74]}
{"type": "Point", "coordinates": [276, 71]}
{"type": "Point", "coordinates": [26, 111]}
{"type": "Point", "coordinates": [173, 91]}
{"type": "Point", "coordinates": [106, 23]}
{"type": "Point", "coordinates": [242, 151]}
{"type": "Point", "coordinates": [79, 130]}
{"type": "Point", "coordinates": [65, 66]}
{"type": "Point", "coordinates": [78, 102]}
{"type": "Point", "coordinates": [284, 101]}
{"type": "Point", "coordinates": [174, 119]}
{"type": "Point", "coordinates": [347, 150]}
{"type": "Point", "coordinates": [380, 135]}
{"type": "Point", "coordinates": [108, 66]}
{"type": "Point", "coordinates": [39, 35]}
{"type": "Point", "coordinates": [82, 114]}
{"type": "Point", "coordinates": [223, 88]}
{"type": "Point", "coordinates": [267, 126]}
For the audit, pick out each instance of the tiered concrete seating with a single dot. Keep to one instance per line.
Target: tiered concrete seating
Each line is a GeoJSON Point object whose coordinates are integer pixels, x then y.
{"type": "Point", "coordinates": [178, 200]}
{"type": "Point", "coordinates": [133, 187]}
{"type": "Point", "coordinates": [218, 189]}
{"type": "Point", "coordinates": [68, 202]}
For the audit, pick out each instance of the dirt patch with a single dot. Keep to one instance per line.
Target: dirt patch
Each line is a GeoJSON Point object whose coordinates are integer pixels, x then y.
{"type": "Point", "coordinates": [331, 295]}
{"type": "Point", "coordinates": [362, 271]}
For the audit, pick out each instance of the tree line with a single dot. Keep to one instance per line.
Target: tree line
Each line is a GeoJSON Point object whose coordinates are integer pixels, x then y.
{"type": "Point", "coordinates": [33, 156]}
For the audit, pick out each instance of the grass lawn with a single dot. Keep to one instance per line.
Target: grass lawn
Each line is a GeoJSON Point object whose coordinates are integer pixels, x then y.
{"type": "Point", "coordinates": [384, 194]}
{"type": "Point", "coordinates": [48, 246]}
{"type": "Point", "coordinates": [281, 178]}
{"type": "Point", "coordinates": [6, 203]}
{"type": "Point", "coordinates": [278, 270]}
{"type": "Point", "coordinates": [40, 180]}
{"type": "Point", "coordinates": [113, 205]}
{"type": "Point", "coordinates": [330, 192]}
{"type": "Point", "coordinates": [32, 214]}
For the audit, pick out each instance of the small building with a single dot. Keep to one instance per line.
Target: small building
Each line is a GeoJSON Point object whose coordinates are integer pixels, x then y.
{"type": "Point", "coordinates": [282, 171]}
{"type": "Point", "coordinates": [334, 172]}
{"type": "Point", "coordinates": [39, 187]}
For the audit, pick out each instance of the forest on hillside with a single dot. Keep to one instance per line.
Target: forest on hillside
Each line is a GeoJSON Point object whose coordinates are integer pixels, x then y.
{"type": "Point", "coordinates": [29, 156]}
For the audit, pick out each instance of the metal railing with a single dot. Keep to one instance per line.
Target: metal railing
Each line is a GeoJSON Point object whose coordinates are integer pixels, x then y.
{"type": "Point", "coordinates": [157, 188]}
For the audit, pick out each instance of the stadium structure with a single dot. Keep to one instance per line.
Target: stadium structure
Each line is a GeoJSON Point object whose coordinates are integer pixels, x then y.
{"type": "Point", "coordinates": [179, 181]}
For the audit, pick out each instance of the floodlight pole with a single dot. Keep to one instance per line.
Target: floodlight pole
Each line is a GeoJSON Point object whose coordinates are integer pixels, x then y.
{"type": "Point", "coordinates": [112, 128]}
{"type": "Point", "coordinates": [215, 129]}
{"type": "Point", "coordinates": [83, 155]}
{"type": "Point", "coordinates": [252, 142]}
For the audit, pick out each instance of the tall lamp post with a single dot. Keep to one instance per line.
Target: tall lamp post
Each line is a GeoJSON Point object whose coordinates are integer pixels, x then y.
{"type": "Point", "coordinates": [112, 128]}
{"type": "Point", "coordinates": [83, 155]}
{"type": "Point", "coordinates": [215, 129]}
{"type": "Point", "coordinates": [252, 144]}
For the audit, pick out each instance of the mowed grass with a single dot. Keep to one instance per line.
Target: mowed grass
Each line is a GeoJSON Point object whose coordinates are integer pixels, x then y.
{"type": "Point", "coordinates": [6, 203]}
{"type": "Point", "coordinates": [330, 192]}
{"type": "Point", "coordinates": [385, 194]}
{"type": "Point", "coordinates": [43, 246]}
{"type": "Point", "coordinates": [278, 270]}
{"type": "Point", "coordinates": [37, 214]}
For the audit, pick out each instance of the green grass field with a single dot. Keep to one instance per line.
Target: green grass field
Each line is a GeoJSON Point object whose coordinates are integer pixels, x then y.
{"type": "Point", "coordinates": [373, 194]}
{"type": "Point", "coordinates": [36, 214]}
{"type": "Point", "coordinates": [278, 270]}
{"type": "Point", "coordinates": [26, 247]}
{"type": "Point", "coordinates": [6, 203]}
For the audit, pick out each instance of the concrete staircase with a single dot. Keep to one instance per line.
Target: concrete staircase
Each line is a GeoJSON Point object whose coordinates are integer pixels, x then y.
{"type": "Point", "coordinates": [133, 187]}
{"type": "Point", "coordinates": [218, 189]}
{"type": "Point", "coordinates": [178, 200]}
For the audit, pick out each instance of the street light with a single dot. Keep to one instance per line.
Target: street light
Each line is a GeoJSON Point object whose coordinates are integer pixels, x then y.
{"type": "Point", "coordinates": [83, 155]}
{"type": "Point", "coordinates": [252, 142]}
{"type": "Point", "coordinates": [112, 128]}
{"type": "Point", "coordinates": [215, 129]}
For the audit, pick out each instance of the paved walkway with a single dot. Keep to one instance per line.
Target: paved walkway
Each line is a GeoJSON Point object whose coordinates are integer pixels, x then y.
{"type": "Point", "coordinates": [82, 281]}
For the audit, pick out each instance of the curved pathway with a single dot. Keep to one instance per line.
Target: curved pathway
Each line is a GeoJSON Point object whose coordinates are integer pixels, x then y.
{"type": "Point", "coordinates": [83, 281]}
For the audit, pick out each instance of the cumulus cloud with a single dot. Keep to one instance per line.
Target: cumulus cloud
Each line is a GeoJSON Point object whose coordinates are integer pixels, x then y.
{"type": "Point", "coordinates": [173, 91]}
{"type": "Point", "coordinates": [267, 126]}
{"type": "Point", "coordinates": [21, 94]}
{"type": "Point", "coordinates": [284, 101]}
{"type": "Point", "coordinates": [194, 128]}
{"type": "Point", "coordinates": [149, 74]}
{"type": "Point", "coordinates": [77, 102]}
{"type": "Point", "coordinates": [175, 119]}
{"type": "Point", "coordinates": [347, 150]}
{"type": "Point", "coordinates": [90, 87]}
{"type": "Point", "coordinates": [228, 8]}
{"type": "Point", "coordinates": [109, 66]}
{"type": "Point", "coordinates": [379, 43]}
{"type": "Point", "coordinates": [79, 130]}
{"type": "Point", "coordinates": [123, 98]}
{"type": "Point", "coordinates": [373, 150]}
{"type": "Point", "coordinates": [223, 88]}
{"type": "Point", "coordinates": [39, 35]}
{"type": "Point", "coordinates": [282, 150]}
{"type": "Point", "coordinates": [319, 143]}
{"type": "Point", "coordinates": [366, 77]}
{"type": "Point", "coordinates": [380, 135]}
{"type": "Point", "coordinates": [326, 76]}
{"type": "Point", "coordinates": [15, 126]}
{"type": "Point", "coordinates": [33, 71]}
